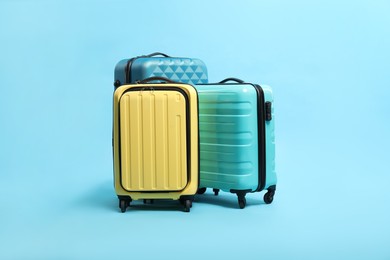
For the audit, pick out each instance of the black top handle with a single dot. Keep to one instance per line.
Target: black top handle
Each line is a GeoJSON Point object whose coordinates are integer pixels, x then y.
{"type": "Point", "coordinates": [147, 80]}
{"type": "Point", "coordinates": [158, 53]}
{"type": "Point", "coordinates": [232, 79]}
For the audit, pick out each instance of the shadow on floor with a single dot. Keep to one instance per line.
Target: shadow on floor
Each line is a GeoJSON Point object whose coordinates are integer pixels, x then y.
{"type": "Point", "coordinates": [156, 205]}
{"type": "Point", "coordinates": [228, 200]}
{"type": "Point", "coordinates": [102, 196]}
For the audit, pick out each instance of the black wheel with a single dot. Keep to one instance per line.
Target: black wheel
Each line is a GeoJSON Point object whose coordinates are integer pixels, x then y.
{"type": "Point", "coordinates": [201, 191]}
{"type": "Point", "coordinates": [269, 197]}
{"type": "Point", "coordinates": [242, 202]}
{"type": "Point", "coordinates": [216, 192]}
{"type": "Point", "coordinates": [123, 205]}
{"type": "Point", "coordinates": [187, 205]}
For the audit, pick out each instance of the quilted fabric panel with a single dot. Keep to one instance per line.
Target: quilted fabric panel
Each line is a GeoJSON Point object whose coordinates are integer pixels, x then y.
{"type": "Point", "coordinates": [181, 70]}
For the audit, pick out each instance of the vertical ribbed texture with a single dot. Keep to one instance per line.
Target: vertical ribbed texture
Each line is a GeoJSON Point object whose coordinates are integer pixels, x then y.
{"type": "Point", "coordinates": [178, 148]}
{"type": "Point", "coordinates": [153, 141]}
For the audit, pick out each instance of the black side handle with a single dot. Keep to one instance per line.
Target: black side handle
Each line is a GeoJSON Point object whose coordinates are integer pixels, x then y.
{"type": "Point", "coordinates": [158, 53]}
{"type": "Point", "coordinates": [268, 111]}
{"type": "Point", "coordinates": [232, 79]}
{"type": "Point", "coordinates": [165, 80]}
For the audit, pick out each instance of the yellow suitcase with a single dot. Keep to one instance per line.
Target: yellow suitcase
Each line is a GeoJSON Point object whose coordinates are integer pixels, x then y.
{"type": "Point", "coordinates": [155, 142]}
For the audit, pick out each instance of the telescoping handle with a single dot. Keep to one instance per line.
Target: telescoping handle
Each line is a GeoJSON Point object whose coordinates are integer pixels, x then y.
{"type": "Point", "coordinates": [158, 53]}
{"type": "Point", "coordinates": [232, 79]}
{"type": "Point", "coordinates": [147, 80]}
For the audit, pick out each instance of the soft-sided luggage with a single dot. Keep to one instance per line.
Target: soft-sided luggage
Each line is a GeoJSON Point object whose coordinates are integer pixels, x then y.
{"type": "Point", "coordinates": [185, 70]}
{"type": "Point", "coordinates": [237, 140]}
{"type": "Point", "coordinates": [155, 142]}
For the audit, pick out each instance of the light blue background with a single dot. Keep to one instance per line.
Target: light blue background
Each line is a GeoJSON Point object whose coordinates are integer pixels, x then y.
{"type": "Point", "coordinates": [328, 63]}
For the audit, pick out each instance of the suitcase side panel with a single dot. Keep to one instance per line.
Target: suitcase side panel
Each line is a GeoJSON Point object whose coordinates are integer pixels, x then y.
{"type": "Point", "coordinates": [271, 178]}
{"type": "Point", "coordinates": [185, 70]}
{"type": "Point", "coordinates": [228, 136]}
{"type": "Point", "coordinates": [153, 141]}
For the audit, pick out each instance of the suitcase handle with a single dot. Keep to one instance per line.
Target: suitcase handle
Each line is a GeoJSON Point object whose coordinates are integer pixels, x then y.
{"type": "Point", "coordinates": [158, 53]}
{"type": "Point", "coordinates": [153, 79]}
{"type": "Point", "coordinates": [232, 79]}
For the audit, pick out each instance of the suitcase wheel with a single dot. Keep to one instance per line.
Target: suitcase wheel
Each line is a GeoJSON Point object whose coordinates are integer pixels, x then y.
{"type": "Point", "coordinates": [123, 204]}
{"type": "Point", "coordinates": [269, 197]}
{"type": "Point", "coordinates": [201, 191]}
{"type": "Point", "coordinates": [216, 191]}
{"type": "Point", "coordinates": [187, 205]}
{"type": "Point", "coordinates": [242, 202]}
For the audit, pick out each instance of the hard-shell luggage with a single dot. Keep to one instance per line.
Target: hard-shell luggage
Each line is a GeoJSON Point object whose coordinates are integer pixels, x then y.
{"type": "Point", "coordinates": [237, 139]}
{"type": "Point", "coordinates": [155, 142]}
{"type": "Point", "coordinates": [185, 70]}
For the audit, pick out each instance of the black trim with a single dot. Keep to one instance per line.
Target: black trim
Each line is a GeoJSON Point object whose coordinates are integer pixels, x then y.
{"type": "Point", "coordinates": [260, 134]}
{"type": "Point", "coordinates": [261, 137]}
{"type": "Point", "coordinates": [188, 136]}
{"type": "Point", "coordinates": [197, 108]}
{"type": "Point", "coordinates": [128, 70]}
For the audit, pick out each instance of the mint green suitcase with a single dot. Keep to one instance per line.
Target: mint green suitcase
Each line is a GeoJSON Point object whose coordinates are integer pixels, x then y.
{"type": "Point", "coordinates": [237, 139]}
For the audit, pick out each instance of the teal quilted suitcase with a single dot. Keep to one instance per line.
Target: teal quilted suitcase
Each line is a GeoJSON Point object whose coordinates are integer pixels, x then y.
{"type": "Point", "coordinates": [184, 70]}
{"type": "Point", "coordinates": [237, 139]}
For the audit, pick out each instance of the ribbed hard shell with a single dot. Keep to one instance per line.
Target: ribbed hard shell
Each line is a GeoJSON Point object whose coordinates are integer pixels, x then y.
{"type": "Point", "coordinates": [229, 144]}
{"type": "Point", "coordinates": [153, 141]}
{"type": "Point", "coordinates": [228, 136]}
